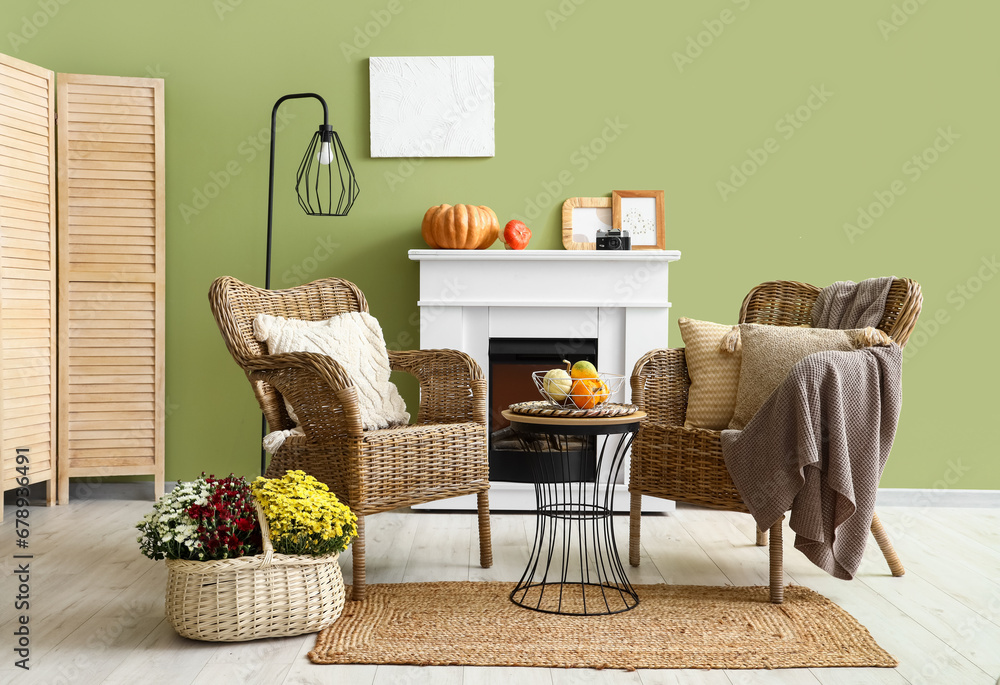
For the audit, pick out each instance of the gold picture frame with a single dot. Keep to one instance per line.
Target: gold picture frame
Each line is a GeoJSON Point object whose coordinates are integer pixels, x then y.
{"type": "Point", "coordinates": [640, 212]}
{"type": "Point", "coordinates": [581, 219]}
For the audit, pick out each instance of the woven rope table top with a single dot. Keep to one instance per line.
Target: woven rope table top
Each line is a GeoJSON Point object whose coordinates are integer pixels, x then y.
{"type": "Point", "coordinates": [531, 412]}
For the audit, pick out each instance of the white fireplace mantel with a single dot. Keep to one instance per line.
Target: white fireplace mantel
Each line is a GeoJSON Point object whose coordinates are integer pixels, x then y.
{"type": "Point", "coordinates": [620, 298]}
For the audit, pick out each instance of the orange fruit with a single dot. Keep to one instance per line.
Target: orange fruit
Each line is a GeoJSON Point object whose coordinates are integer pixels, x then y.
{"type": "Point", "coordinates": [583, 369]}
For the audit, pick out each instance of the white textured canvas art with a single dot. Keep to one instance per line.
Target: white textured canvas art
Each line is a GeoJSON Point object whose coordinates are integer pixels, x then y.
{"type": "Point", "coordinates": [431, 106]}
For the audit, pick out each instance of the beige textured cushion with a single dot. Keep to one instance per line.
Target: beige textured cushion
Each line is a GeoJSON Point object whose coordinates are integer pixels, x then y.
{"type": "Point", "coordinates": [769, 353]}
{"type": "Point", "coordinates": [714, 373]}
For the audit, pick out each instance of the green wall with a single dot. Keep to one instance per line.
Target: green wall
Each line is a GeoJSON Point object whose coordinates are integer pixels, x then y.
{"type": "Point", "coordinates": [841, 96]}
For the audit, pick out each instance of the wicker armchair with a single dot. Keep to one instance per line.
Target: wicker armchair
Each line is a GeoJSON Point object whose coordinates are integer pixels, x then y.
{"type": "Point", "coordinates": [686, 465]}
{"type": "Point", "coordinates": [442, 455]}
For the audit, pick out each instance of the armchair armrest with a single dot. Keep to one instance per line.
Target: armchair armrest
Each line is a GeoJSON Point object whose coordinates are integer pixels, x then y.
{"type": "Point", "coordinates": [318, 389]}
{"type": "Point", "coordinates": [452, 385]}
{"type": "Point", "coordinates": [660, 386]}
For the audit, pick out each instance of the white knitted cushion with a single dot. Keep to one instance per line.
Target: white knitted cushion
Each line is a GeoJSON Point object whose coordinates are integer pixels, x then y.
{"type": "Point", "coordinates": [355, 340]}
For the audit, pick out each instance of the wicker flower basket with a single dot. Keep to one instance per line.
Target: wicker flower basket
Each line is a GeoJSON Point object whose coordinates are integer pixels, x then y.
{"type": "Point", "coordinates": [248, 598]}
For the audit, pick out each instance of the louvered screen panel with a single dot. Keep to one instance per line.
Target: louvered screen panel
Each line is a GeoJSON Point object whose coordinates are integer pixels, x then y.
{"type": "Point", "coordinates": [27, 272]}
{"type": "Point", "coordinates": [111, 278]}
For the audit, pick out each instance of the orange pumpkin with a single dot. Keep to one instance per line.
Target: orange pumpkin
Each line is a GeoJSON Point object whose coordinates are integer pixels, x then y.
{"type": "Point", "coordinates": [583, 394]}
{"type": "Point", "coordinates": [587, 393]}
{"type": "Point", "coordinates": [601, 390]}
{"type": "Point", "coordinates": [493, 231]}
{"type": "Point", "coordinates": [460, 227]}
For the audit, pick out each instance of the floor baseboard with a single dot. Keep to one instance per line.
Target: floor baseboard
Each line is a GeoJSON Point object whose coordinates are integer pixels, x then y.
{"type": "Point", "coordinates": [887, 497]}
{"type": "Point", "coordinates": [915, 497]}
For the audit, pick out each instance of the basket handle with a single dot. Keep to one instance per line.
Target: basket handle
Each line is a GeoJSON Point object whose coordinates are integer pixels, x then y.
{"type": "Point", "coordinates": [265, 536]}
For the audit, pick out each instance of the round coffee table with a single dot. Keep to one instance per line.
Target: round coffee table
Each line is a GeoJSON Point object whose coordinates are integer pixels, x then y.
{"type": "Point", "coordinates": [574, 567]}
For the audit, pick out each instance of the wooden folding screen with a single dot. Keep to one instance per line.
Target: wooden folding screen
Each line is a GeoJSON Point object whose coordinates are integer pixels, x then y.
{"type": "Point", "coordinates": [27, 274]}
{"type": "Point", "coordinates": [111, 277]}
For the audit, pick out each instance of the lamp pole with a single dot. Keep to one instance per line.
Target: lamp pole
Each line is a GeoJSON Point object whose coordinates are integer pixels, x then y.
{"type": "Point", "coordinates": [326, 151]}
{"type": "Point", "coordinates": [270, 216]}
{"type": "Point", "coordinates": [270, 179]}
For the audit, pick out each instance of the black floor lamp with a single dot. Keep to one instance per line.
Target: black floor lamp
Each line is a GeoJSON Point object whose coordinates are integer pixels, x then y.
{"type": "Point", "coordinates": [325, 185]}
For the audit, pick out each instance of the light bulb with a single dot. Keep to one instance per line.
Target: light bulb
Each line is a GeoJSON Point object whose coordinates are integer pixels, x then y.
{"type": "Point", "coordinates": [325, 155]}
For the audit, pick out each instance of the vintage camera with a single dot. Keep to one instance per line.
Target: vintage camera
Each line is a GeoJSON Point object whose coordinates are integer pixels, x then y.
{"type": "Point", "coordinates": [613, 239]}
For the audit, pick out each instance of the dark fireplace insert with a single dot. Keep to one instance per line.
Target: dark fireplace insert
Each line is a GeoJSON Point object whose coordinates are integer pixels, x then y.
{"type": "Point", "coordinates": [511, 362]}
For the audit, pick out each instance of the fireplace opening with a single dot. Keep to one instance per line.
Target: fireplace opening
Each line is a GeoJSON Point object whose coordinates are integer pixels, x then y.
{"type": "Point", "coordinates": [511, 362]}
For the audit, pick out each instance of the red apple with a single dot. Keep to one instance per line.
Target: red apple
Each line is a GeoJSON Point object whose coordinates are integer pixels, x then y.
{"type": "Point", "coordinates": [516, 235]}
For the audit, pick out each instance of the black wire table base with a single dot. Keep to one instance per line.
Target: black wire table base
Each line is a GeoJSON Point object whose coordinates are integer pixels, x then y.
{"type": "Point", "coordinates": [574, 568]}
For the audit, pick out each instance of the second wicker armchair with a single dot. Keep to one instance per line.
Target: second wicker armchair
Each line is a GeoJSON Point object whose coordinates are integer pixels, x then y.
{"type": "Point", "coordinates": [686, 464]}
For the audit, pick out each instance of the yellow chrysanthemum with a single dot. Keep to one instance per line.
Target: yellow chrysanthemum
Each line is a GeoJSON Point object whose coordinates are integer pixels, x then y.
{"type": "Point", "coordinates": [304, 516]}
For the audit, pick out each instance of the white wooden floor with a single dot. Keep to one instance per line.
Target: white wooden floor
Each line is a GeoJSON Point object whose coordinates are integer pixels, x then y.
{"type": "Point", "coordinates": [96, 611]}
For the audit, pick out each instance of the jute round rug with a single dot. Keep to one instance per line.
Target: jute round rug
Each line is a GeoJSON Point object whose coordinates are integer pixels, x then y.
{"type": "Point", "coordinates": [674, 626]}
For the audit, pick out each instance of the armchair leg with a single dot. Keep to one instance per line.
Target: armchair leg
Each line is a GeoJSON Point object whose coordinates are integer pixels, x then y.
{"type": "Point", "coordinates": [358, 551]}
{"type": "Point", "coordinates": [761, 537]}
{"type": "Point", "coordinates": [485, 539]}
{"type": "Point", "coordinates": [888, 551]}
{"type": "Point", "coordinates": [777, 565]}
{"type": "Point", "coordinates": [634, 523]}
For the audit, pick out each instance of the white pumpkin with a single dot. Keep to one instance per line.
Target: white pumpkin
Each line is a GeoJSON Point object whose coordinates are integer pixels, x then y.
{"type": "Point", "coordinates": [557, 384]}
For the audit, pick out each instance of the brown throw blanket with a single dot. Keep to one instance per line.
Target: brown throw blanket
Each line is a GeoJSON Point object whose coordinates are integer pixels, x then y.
{"type": "Point", "coordinates": [819, 443]}
{"type": "Point", "coordinates": [845, 304]}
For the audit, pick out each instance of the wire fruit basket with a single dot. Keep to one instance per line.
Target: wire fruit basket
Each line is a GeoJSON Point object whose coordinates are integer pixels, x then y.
{"type": "Point", "coordinates": [578, 393]}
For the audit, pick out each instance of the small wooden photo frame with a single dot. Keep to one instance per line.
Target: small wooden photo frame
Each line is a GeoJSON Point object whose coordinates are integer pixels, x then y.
{"type": "Point", "coordinates": [582, 217]}
{"type": "Point", "coordinates": [640, 212]}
